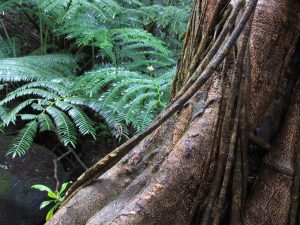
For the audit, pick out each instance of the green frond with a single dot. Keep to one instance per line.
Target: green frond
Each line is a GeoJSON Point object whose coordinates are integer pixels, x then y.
{"type": "Point", "coordinates": [96, 106]}
{"type": "Point", "coordinates": [80, 118]}
{"type": "Point", "coordinates": [45, 123]}
{"type": "Point", "coordinates": [65, 127]}
{"type": "Point", "coordinates": [54, 8]}
{"type": "Point", "coordinates": [128, 94]}
{"type": "Point", "coordinates": [31, 68]}
{"type": "Point", "coordinates": [7, 5]}
{"type": "Point", "coordinates": [41, 104]}
{"type": "Point", "coordinates": [50, 85]}
{"type": "Point", "coordinates": [31, 91]}
{"type": "Point", "coordinates": [24, 139]}
{"type": "Point", "coordinates": [27, 116]}
{"type": "Point", "coordinates": [138, 114]}
{"type": "Point", "coordinates": [171, 17]}
{"type": "Point", "coordinates": [3, 111]}
{"type": "Point", "coordinates": [10, 116]}
{"type": "Point", "coordinates": [141, 47]}
{"type": "Point", "coordinates": [133, 2]}
{"type": "Point", "coordinates": [92, 82]}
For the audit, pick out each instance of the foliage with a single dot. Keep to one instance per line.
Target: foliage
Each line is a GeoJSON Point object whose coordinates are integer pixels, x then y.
{"type": "Point", "coordinates": [57, 197]}
{"type": "Point", "coordinates": [130, 96]}
{"type": "Point", "coordinates": [95, 60]}
{"type": "Point", "coordinates": [55, 99]}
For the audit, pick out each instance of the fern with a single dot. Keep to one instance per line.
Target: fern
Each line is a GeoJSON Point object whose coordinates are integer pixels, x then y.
{"type": "Point", "coordinates": [10, 116]}
{"type": "Point", "coordinates": [66, 129]}
{"type": "Point", "coordinates": [45, 123]}
{"type": "Point", "coordinates": [24, 140]}
{"type": "Point", "coordinates": [127, 89]}
{"type": "Point", "coordinates": [6, 5]}
{"type": "Point", "coordinates": [31, 68]}
{"type": "Point", "coordinates": [81, 120]}
{"type": "Point", "coordinates": [130, 99]}
{"type": "Point", "coordinates": [128, 33]}
{"type": "Point", "coordinates": [128, 95]}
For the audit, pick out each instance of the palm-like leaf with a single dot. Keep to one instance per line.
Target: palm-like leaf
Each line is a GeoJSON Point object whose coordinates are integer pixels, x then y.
{"type": "Point", "coordinates": [31, 68]}
{"type": "Point", "coordinates": [80, 118]}
{"type": "Point", "coordinates": [24, 140]}
{"type": "Point", "coordinates": [65, 127]}
{"type": "Point", "coordinates": [45, 123]}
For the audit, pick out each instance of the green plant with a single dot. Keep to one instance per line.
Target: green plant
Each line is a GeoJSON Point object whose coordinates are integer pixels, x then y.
{"type": "Point", "coordinates": [56, 101]}
{"type": "Point", "coordinates": [129, 40]}
{"type": "Point", "coordinates": [57, 197]}
{"type": "Point", "coordinates": [131, 98]}
{"type": "Point", "coordinates": [127, 32]}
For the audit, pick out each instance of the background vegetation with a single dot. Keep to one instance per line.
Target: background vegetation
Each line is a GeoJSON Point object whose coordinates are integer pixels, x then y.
{"type": "Point", "coordinates": [100, 68]}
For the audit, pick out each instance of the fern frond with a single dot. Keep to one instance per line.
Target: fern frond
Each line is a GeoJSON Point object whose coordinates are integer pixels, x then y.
{"type": "Point", "coordinates": [31, 91]}
{"type": "Point", "coordinates": [11, 115]}
{"type": "Point", "coordinates": [3, 111]}
{"type": "Point", "coordinates": [80, 118]}
{"type": "Point", "coordinates": [27, 116]}
{"type": "Point", "coordinates": [50, 85]}
{"type": "Point", "coordinates": [96, 106]}
{"type": "Point", "coordinates": [31, 68]}
{"type": "Point", "coordinates": [7, 5]}
{"type": "Point", "coordinates": [45, 123]}
{"type": "Point", "coordinates": [24, 139]}
{"type": "Point", "coordinates": [65, 127]}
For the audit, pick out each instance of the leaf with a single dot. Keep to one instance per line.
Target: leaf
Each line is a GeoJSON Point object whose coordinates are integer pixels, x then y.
{"type": "Point", "coordinates": [24, 140]}
{"type": "Point", "coordinates": [63, 187]}
{"type": "Point", "coordinates": [45, 203]}
{"type": "Point", "coordinates": [41, 187]}
{"type": "Point", "coordinates": [51, 194]}
{"type": "Point", "coordinates": [80, 118]}
{"type": "Point", "coordinates": [66, 129]}
{"type": "Point", "coordinates": [45, 123]}
{"type": "Point", "coordinates": [29, 68]}
{"type": "Point", "coordinates": [49, 214]}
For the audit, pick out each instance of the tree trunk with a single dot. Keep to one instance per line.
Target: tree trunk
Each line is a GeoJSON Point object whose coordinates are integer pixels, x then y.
{"type": "Point", "coordinates": [197, 165]}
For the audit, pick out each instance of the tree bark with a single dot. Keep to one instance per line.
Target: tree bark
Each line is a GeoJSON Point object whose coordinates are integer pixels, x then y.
{"type": "Point", "coordinates": [186, 166]}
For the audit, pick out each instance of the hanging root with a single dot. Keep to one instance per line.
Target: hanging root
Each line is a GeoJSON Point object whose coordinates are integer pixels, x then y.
{"type": "Point", "coordinates": [230, 158]}
{"type": "Point", "coordinates": [237, 187]}
{"type": "Point", "coordinates": [244, 130]}
{"type": "Point", "coordinates": [294, 209]}
{"type": "Point", "coordinates": [228, 144]}
{"type": "Point", "coordinates": [193, 73]}
{"type": "Point", "coordinates": [207, 36]}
